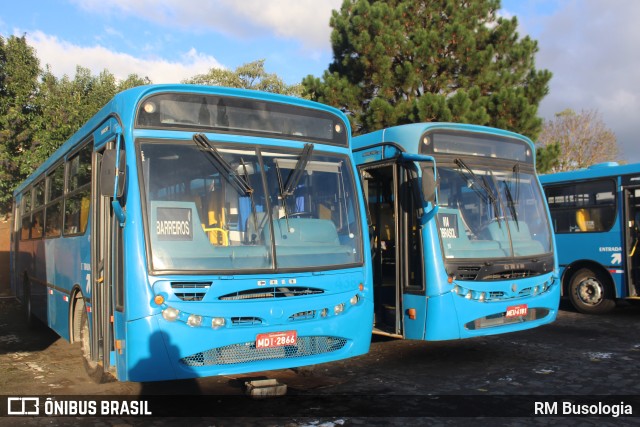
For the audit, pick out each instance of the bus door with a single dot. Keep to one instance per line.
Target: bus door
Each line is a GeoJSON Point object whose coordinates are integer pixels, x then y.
{"type": "Point", "coordinates": [106, 259]}
{"type": "Point", "coordinates": [399, 298]}
{"type": "Point", "coordinates": [632, 239]}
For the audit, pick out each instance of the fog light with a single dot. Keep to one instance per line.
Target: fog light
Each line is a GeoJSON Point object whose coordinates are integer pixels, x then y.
{"type": "Point", "coordinates": [170, 314]}
{"type": "Point", "coordinates": [324, 312]}
{"type": "Point", "coordinates": [338, 309]}
{"type": "Point", "coordinates": [354, 300]}
{"type": "Point", "coordinates": [194, 320]}
{"type": "Point", "coordinates": [216, 322]}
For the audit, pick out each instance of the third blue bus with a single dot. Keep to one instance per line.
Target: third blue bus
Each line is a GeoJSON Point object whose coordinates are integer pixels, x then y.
{"type": "Point", "coordinates": [596, 215]}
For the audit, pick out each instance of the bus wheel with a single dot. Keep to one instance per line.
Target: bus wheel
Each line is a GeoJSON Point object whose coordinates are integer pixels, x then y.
{"type": "Point", "coordinates": [589, 293]}
{"type": "Point", "coordinates": [94, 369]}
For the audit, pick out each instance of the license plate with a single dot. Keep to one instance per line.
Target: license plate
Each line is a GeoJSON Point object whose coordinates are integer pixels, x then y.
{"type": "Point", "coordinates": [276, 339]}
{"type": "Point", "coordinates": [517, 310]}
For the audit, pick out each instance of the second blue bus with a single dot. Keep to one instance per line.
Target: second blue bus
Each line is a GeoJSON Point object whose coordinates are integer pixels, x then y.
{"type": "Point", "coordinates": [461, 238]}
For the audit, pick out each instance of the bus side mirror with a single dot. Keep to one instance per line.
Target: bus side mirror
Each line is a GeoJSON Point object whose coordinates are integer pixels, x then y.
{"type": "Point", "coordinates": [429, 185]}
{"type": "Point", "coordinates": [108, 176]}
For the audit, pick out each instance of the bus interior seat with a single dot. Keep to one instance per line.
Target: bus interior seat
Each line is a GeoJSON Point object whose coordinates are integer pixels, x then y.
{"type": "Point", "coordinates": [305, 232]}
{"type": "Point", "coordinates": [523, 242]}
{"type": "Point", "coordinates": [254, 226]}
{"type": "Point", "coordinates": [213, 212]}
{"type": "Point", "coordinates": [387, 226]}
{"type": "Point", "coordinates": [584, 221]}
{"type": "Point", "coordinates": [308, 241]}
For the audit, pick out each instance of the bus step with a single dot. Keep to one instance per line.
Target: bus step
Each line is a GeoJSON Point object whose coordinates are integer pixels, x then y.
{"type": "Point", "coordinates": [262, 389]}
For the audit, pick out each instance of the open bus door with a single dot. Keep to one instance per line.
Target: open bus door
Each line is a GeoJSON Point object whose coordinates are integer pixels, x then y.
{"type": "Point", "coordinates": [632, 239]}
{"type": "Point", "coordinates": [399, 292]}
{"type": "Point", "coordinates": [106, 264]}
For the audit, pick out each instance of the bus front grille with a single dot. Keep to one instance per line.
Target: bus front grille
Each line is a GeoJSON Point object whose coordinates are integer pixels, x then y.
{"type": "Point", "coordinates": [190, 291]}
{"type": "Point", "coordinates": [246, 321]}
{"type": "Point", "coordinates": [247, 352]}
{"type": "Point", "coordinates": [271, 292]}
{"type": "Point", "coordinates": [500, 319]}
{"type": "Point", "coordinates": [507, 275]}
{"type": "Point", "coordinates": [303, 315]}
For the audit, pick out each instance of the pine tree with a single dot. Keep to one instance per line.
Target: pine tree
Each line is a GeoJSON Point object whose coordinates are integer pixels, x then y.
{"type": "Point", "coordinates": [405, 61]}
{"type": "Point", "coordinates": [547, 158]}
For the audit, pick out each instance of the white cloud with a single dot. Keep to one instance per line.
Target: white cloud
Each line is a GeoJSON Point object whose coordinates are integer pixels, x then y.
{"type": "Point", "coordinates": [591, 49]}
{"type": "Point", "coordinates": [63, 57]}
{"type": "Point", "coordinates": [306, 21]}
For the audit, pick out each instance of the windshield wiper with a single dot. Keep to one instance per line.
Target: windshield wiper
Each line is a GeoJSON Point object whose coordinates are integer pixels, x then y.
{"type": "Point", "coordinates": [482, 183]}
{"type": "Point", "coordinates": [512, 204]}
{"type": "Point", "coordinates": [287, 189]}
{"type": "Point", "coordinates": [240, 184]}
{"type": "Point", "coordinates": [298, 170]}
{"type": "Point", "coordinates": [516, 173]}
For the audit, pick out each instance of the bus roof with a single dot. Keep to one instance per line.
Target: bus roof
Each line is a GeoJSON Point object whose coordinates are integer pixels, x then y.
{"type": "Point", "coordinates": [598, 170]}
{"type": "Point", "coordinates": [408, 136]}
{"type": "Point", "coordinates": [123, 107]}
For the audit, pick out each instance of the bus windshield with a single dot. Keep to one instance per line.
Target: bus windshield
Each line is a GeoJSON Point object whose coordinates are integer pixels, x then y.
{"type": "Point", "coordinates": [215, 207]}
{"type": "Point", "coordinates": [489, 212]}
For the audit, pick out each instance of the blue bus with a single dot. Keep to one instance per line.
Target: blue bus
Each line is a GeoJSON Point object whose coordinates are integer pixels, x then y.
{"type": "Point", "coordinates": [462, 245]}
{"type": "Point", "coordinates": [188, 231]}
{"type": "Point", "coordinates": [595, 214]}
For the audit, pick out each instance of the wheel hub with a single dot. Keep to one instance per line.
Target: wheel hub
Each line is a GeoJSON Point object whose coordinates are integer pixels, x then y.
{"type": "Point", "coordinates": [590, 291]}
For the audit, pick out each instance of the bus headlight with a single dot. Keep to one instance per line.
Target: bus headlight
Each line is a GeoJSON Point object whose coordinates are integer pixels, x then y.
{"type": "Point", "coordinates": [170, 314]}
{"type": "Point", "coordinates": [194, 320]}
{"type": "Point", "coordinates": [354, 300]}
{"type": "Point", "coordinates": [338, 309]}
{"type": "Point", "coordinates": [468, 295]}
{"type": "Point", "coordinates": [482, 297]}
{"type": "Point", "coordinates": [217, 322]}
{"type": "Point", "coordinates": [324, 312]}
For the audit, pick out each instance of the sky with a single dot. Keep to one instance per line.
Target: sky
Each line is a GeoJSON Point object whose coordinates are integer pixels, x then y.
{"type": "Point", "coordinates": [590, 46]}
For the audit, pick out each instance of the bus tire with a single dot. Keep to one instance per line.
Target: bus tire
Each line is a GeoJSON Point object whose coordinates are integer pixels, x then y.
{"type": "Point", "coordinates": [589, 292]}
{"type": "Point", "coordinates": [94, 369]}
